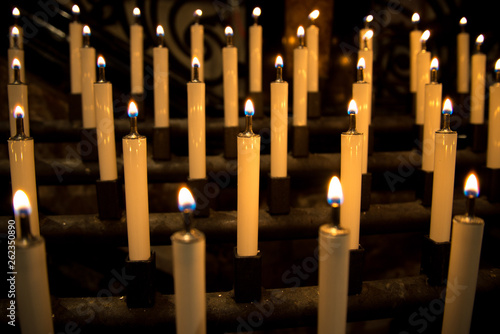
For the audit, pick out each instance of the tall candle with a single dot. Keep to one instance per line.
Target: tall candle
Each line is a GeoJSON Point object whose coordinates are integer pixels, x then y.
{"type": "Point", "coordinates": [312, 43]}
{"type": "Point", "coordinates": [367, 54]}
{"type": "Point", "coordinates": [414, 50]}
{"type": "Point", "coordinates": [88, 61]}
{"type": "Point", "coordinates": [361, 93]}
{"type": "Point", "coordinates": [15, 15]}
{"type": "Point", "coordinates": [478, 84]}
{"type": "Point", "coordinates": [197, 40]}
{"type": "Point", "coordinates": [300, 55]}
{"type": "Point", "coordinates": [423, 64]}
{"type": "Point", "coordinates": [15, 52]}
{"type": "Point", "coordinates": [136, 54]}
{"type": "Point", "coordinates": [255, 53]}
{"type": "Point", "coordinates": [160, 65]}
{"type": "Point", "coordinates": [463, 41]}
{"type": "Point", "coordinates": [230, 80]}
{"type": "Point", "coordinates": [362, 32]}
{"type": "Point", "coordinates": [279, 122]}
{"type": "Point", "coordinates": [445, 154]}
{"type": "Point", "coordinates": [432, 119]}
{"type": "Point", "coordinates": [75, 43]}
{"type": "Point", "coordinates": [17, 93]}
{"type": "Point", "coordinates": [196, 125]}
{"type": "Point", "coordinates": [136, 189]}
{"type": "Point", "coordinates": [351, 153]}
{"type": "Point", "coordinates": [493, 152]}
{"type": "Point", "coordinates": [247, 217]}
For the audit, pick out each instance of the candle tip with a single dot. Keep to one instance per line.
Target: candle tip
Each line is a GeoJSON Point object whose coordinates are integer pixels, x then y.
{"type": "Point", "coordinates": [86, 30]}
{"type": "Point", "coordinates": [228, 31]}
{"type": "Point", "coordinates": [21, 203]}
{"type": "Point", "coordinates": [136, 12]}
{"type": "Point", "coordinates": [497, 65]}
{"type": "Point", "coordinates": [368, 35]}
{"type": "Point", "coordinates": [425, 36]}
{"type": "Point", "coordinates": [160, 31]}
{"type": "Point", "coordinates": [278, 62]}
{"type": "Point", "coordinates": [368, 18]}
{"type": "Point", "coordinates": [18, 112]}
{"type": "Point", "coordinates": [133, 111]}
{"type": "Point", "coordinates": [471, 187]}
{"type": "Point", "coordinates": [198, 13]}
{"type": "Point", "coordinates": [195, 62]}
{"type": "Point", "coordinates": [447, 107]}
{"type": "Point", "coordinates": [16, 64]}
{"type": "Point", "coordinates": [463, 21]}
{"type": "Point", "coordinates": [300, 32]}
{"type": "Point", "coordinates": [435, 64]}
{"type": "Point", "coordinates": [15, 12]}
{"type": "Point", "coordinates": [335, 196]}
{"type": "Point", "coordinates": [75, 9]}
{"type": "Point", "coordinates": [314, 15]}
{"type": "Point", "coordinates": [185, 200]}
{"type": "Point", "coordinates": [361, 63]}
{"type": "Point", "coordinates": [256, 12]}
{"type": "Point", "coordinates": [353, 108]}
{"type": "Point", "coordinates": [480, 39]}
{"type": "Point", "coordinates": [415, 18]}
{"type": "Point", "coordinates": [15, 32]}
{"type": "Point", "coordinates": [101, 62]}
{"type": "Point", "coordinates": [249, 109]}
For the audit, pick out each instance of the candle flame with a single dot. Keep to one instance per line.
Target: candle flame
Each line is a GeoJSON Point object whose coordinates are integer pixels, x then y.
{"type": "Point", "coordinates": [447, 107]}
{"type": "Point", "coordinates": [16, 64]}
{"type": "Point", "coordinates": [353, 108]}
{"type": "Point", "coordinates": [136, 12]}
{"type": "Point", "coordinates": [198, 13]}
{"type": "Point", "coordinates": [425, 36]}
{"type": "Point", "coordinates": [16, 12]}
{"type": "Point", "coordinates": [18, 112]}
{"type": "Point", "coordinates": [368, 18]}
{"type": "Point", "coordinates": [463, 21]}
{"type": "Point", "coordinates": [132, 109]}
{"type": "Point", "coordinates": [15, 32]}
{"type": "Point", "coordinates": [195, 62]}
{"type": "Point", "coordinates": [314, 14]}
{"type": "Point", "coordinates": [101, 62]}
{"type": "Point", "coordinates": [415, 18]}
{"type": "Point", "coordinates": [256, 12]}
{"type": "Point", "coordinates": [497, 65]}
{"type": "Point", "coordinates": [480, 39]}
{"type": "Point", "coordinates": [228, 31]}
{"type": "Point", "coordinates": [434, 63]}
{"type": "Point", "coordinates": [300, 32]}
{"type": "Point", "coordinates": [185, 200]}
{"type": "Point", "coordinates": [75, 9]}
{"type": "Point", "coordinates": [368, 35]}
{"type": "Point", "coordinates": [335, 196]}
{"type": "Point", "coordinates": [279, 62]}
{"type": "Point", "coordinates": [86, 30]}
{"type": "Point", "coordinates": [361, 63]}
{"type": "Point", "coordinates": [249, 109]}
{"type": "Point", "coordinates": [471, 187]}
{"type": "Point", "coordinates": [21, 203]}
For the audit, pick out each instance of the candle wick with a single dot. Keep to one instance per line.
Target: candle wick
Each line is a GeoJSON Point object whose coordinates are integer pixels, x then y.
{"type": "Point", "coordinates": [196, 74]}
{"type": "Point", "coordinates": [361, 75]}
{"type": "Point", "coordinates": [424, 45]}
{"type": "Point", "coordinates": [478, 47]}
{"type": "Point", "coordinates": [102, 74]}
{"type": "Point", "coordinates": [352, 124]}
{"type": "Point", "coordinates": [433, 75]}
{"type": "Point", "coordinates": [336, 215]}
{"type": "Point", "coordinates": [15, 40]}
{"type": "Point", "coordinates": [470, 202]}
{"type": "Point", "coordinates": [255, 20]}
{"type": "Point", "coordinates": [497, 76]}
{"type": "Point", "coordinates": [229, 40]}
{"type": "Point", "coordinates": [462, 27]}
{"type": "Point", "coordinates": [86, 41]}
{"type": "Point", "coordinates": [134, 133]}
{"type": "Point", "coordinates": [24, 234]}
{"type": "Point", "coordinates": [365, 43]}
{"type": "Point", "coordinates": [446, 123]}
{"type": "Point", "coordinates": [248, 128]}
{"type": "Point", "coordinates": [279, 74]}
{"type": "Point", "coordinates": [301, 42]}
{"type": "Point", "coordinates": [160, 41]}
{"type": "Point", "coordinates": [17, 76]}
{"type": "Point", "coordinates": [20, 135]}
{"type": "Point", "coordinates": [187, 221]}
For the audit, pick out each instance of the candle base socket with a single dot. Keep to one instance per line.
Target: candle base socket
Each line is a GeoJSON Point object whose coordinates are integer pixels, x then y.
{"type": "Point", "coordinates": [109, 199]}
{"type": "Point", "coordinates": [141, 288]}
{"type": "Point", "coordinates": [247, 277]}
{"type": "Point", "coordinates": [197, 187]}
{"type": "Point", "coordinates": [493, 184]}
{"type": "Point", "coordinates": [371, 139]}
{"type": "Point", "coordinates": [356, 264]}
{"type": "Point", "coordinates": [435, 260]}
{"type": "Point", "coordinates": [423, 186]}
{"type": "Point", "coordinates": [161, 143]}
{"type": "Point", "coordinates": [139, 100]}
{"type": "Point", "coordinates": [418, 133]}
{"type": "Point", "coordinates": [278, 197]}
{"type": "Point", "coordinates": [313, 105]}
{"type": "Point", "coordinates": [258, 103]}
{"type": "Point", "coordinates": [87, 147]}
{"type": "Point", "coordinates": [366, 191]}
{"type": "Point", "coordinates": [300, 148]}
{"type": "Point", "coordinates": [75, 107]}
{"type": "Point", "coordinates": [478, 137]}
{"type": "Point", "coordinates": [231, 142]}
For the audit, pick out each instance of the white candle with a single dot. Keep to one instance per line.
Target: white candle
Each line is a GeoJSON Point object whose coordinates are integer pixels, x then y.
{"type": "Point", "coordinates": [105, 127]}
{"type": "Point", "coordinates": [247, 217]}
{"type": "Point", "coordinates": [136, 54]}
{"type": "Point", "coordinates": [255, 53]}
{"type": "Point", "coordinates": [230, 80]}
{"type": "Point", "coordinates": [367, 54]}
{"type": "Point", "coordinates": [16, 14]}
{"type": "Point", "coordinates": [478, 84]}
{"type": "Point", "coordinates": [361, 93]}
{"type": "Point", "coordinates": [279, 122]}
{"type": "Point", "coordinates": [463, 41]}
{"type": "Point", "coordinates": [15, 52]}
{"type": "Point", "coordinates": [75, 43]}
{"type": "Point", "coordinates": [196, 125]}
{"type": "Point", "coordinates": [333, 275]}
{"type": "Point", "coordinates": [188, 252]}
{"type": "Point", "coordinates": [362, 32]}
{"type": "Point", "coordinates": [432, 119]}
{"type": "Point", "coordinates": [351, 153]}
{"type": "Point", "coordinates": [197, 40]}
{"type": "Point", "coordinates": [465, 253]}
{"type": "Point", "coordinates": [423, 78]}
{"type": "Point", "coordinates": [444, 178]}
{"type": "Point", "coordinates": [18, 97]}
{"type": "Point", "coordinates": [300, 55]}
{"type": "Point", "coordinates": [312, 43]}
{"type": "Point", "coordinates": [493, 152]}
{"type": "Point", "coordinates": [414, 50]}
{"type": "Point", "coordinates": [88, 61]}
{"type": "Point", "coordinates": [136, 190]}
{"type": "Point", "coordinates": [160, 65]}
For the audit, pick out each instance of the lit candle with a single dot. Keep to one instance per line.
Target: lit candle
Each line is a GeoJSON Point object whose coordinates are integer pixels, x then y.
{"type": "Point", "coordinates": [22, 167]}
{"type": "Point", "coordinates": [463, 58]}
{"type": "Point", "coordinates": [333, 276]}
{"type": "Point", "coordinates": [279, 122]}
{"type": "Point", "coordinates": [136, 54]}
{"type": "Point", "coordinates": [75, 43]}
{"type": "Point", "coordinates": [464, 265]}
{"type": "Point", "coordinates": [432, 119]}
{"type": "Point", "coordinates": [445, 153]}
{"type": "Point", "coordinates": [351, 153]}
{"type": "Point", "coordinates": [362, 32]}
{"type": "Point", "coordinates": [247, 217]}
{"type": "Point", "coordinates": [367, 54]}
{"type": "Point", "coordinates": [15, 15]}
{"type": "Point", "coordinates": [423, 64]}
{"type": "Point", "coordinates": [361, 93]}
{"type": "Point", "coordinates": [230, 79]}
{"type": "Point", "coordinates": [197, 41]}
{"type": "Point", "coordinates": [88, 61]}
{"type": "Point", "coordinates": [188, 252]}
{"type": "Point", "coordinates": [34, 308]}
{"type": "Point", "coordinates": [493, 152]}
{"type": "Point", "coordinates": [300, 55]}
{"type": "Point", "coordinates": [160, 65]}
{"type": "Point", "coordinates": [312, 42]}
{"type": "Point", "coordinates": [105, 127]}
{"type": "Point", "coordinates": [15, 52]}
{"type": "Point", "coordinates": [414, 50]}
{"type": "Point", "coordinates": [136, 189]}
{"type": "Point", "coordinates": [255, 53]}
{"type": "Point", "coordinates": [478, 84]}
{"type": "Point", "coordinates": [196, 124]}
{"type": "Point", "coordinates": [18, 96]}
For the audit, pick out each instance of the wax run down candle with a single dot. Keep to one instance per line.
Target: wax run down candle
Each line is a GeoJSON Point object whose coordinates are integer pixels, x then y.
{"type": "Point", "coordinates": [432, 119]}
{"type": "Point", "coordinates": [88, 60]}
{"type": "Point", "coordinates": [230, 80]}
{"type": "Point", "coordinates": [333, 273]}
{"type": "Point", "coordinates": [423, 64]}
{"type": "Point", "coordinates": [15, 15]}
{"type": "Point", "coordinates": [75, 42]}
{"type": "Point", "coordinates": [445, 153]}
{"type": "Point", "coordinates": [255, 52]}
{"type": "Point", "coordinates": [188, 252]}
{"type": "Point", "coordinates": [136, 54]}
{"type": "Point", "coordinates": [361, 93]}
{"type": "Point", "coordinates": [105, 126]}
{"type": "Point", "coordinates": [366, 21]}
{"type": "Point", "coordinates": [464, 265]}
{"type": "Point", "coordinates": [17, 93]}
{"type": "Point", "coordinates": [32, 284]}
{"type": "Point", "coordinates": [414, 50]}
{"type": "Point", "coordinates": [300, 55]}
{"type": "Point", "coordinates": [312, 43]}
{"type": "Point", "coordinates": [493, 152]}
{"type": "Point", "coordinates": [351, 153]}
{"type": "Point", "coordinates": [136, 189]}
{"type": "Point", "coordinates": [160, 73]}
{"type": "Point", "coordinates": [463, 69]}
{"type": "Point", "coordinates": [478, 84]}
{"type": "Point", "coordinates": [279, 122]}
{"type": "Point", "coordinates": [247, 217]}
{"type": "Point", "coordinates": [197, 40]}
{"type": "Point", "coordinates": [15, 52]}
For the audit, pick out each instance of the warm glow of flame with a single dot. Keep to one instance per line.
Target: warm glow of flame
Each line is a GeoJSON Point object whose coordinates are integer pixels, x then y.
{"type": "Point", "coordinates": [86, 30]}
{"type": "Point", "coordinates": [335, 196]}
{"type": "Point", "coordinates": [434, 63]}
{"type": "Point", "coordinates": [368, 35]}
{"type": "Point", "coordinates": [75, 9]}
{"type": "Point", "coordinates": [369, 18]}
{"type": "Point", "coordinates": [132, 109]}
{"type": "Point", "coordinates": [314, 14]}
{"type": "Point", "coordinates": [228, 31]}
{"type": "Point", "coordinates": [15, 32]}
{"type": "Point", "coordinates": [195, 62]}
{"type": "Point", "coordinates": [497, 65]}
{"type": "Point", "coordinates": [425, 36]}
{"type": "Point", "coordinates": [361, 63]}
{"type": "Point", "coordinates": [136, 12]}
{"type": "Point", "coordinates": [249, 110]}
{"type": "Point", "coordinates": [463, 21]}
{"type": "Point", "coordinates": [471, 187]}
{"type": "Point", "coordinates": [101, 62]}
{"type": "Point", "coordinates": [160, 31]}
{"type": "Point", "coordinates": [16, 63]}
{"type": "Point", "coordinates": [480, 39]}
{"type": "Point", "coordinates": [279, 62]}
{"type": "Point", "coordinates": [185, 200]}
{"type": "Point", "coordinates": [16, 12]}
{"type": "Point", "coordinates": [198, 13]}
{"type": "Point", "coordinates": [415, 18]}
{"type": "Point", "coordinates": [21, 202]}
{"type": "Point", "coordinates": [256, 12]}
{"type": "Point", "coordinates": [18, 112]}
{"type": "Point", "coordinates": [447, 107]}
{"type": "Point", "coordinates": [300, 32]}
{"type": "Point", "coordinates": [353, 107]}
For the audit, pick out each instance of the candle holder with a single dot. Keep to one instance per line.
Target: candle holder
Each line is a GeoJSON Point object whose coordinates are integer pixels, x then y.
{"type": "Point", "coordinates": [435, 260]}
{"type": "Point", "coordinates": [313, 105]}
{"type": "Point", "coordinates": [197, 187]}
{"type": "Point", "coordinates": [139, 101]}
{"type": "Point", "coordinates": [247, 277]}
{"type": "Point", "coordinates": [356, 264]}
{"type": "Point", "coordinates": [109, 199]}
{"type": "Point", "coordinates": [371, 140]}
{"type": "Point", "coordinates": [300, 136]}
{"type": "Point", "coordinates": [278, 198]}
{"type": "Point", "coordinates": [161, 143]}
{"type": "Point", "coordinates": [141, 289]}
{"type": "Point", "coordinates": [231, 142]}
{"type": "Point", "coordinates": [366, 190]}
{"type": "Point", "coordinates": [424, 184]}
{"type": "Point", "coordinates": [258, 103]}
{"type": "Point", "coordinates": [75, 107]}
{"type": "Point", "coordinates": [87, 147]}
{"type": "Point", "coordinates": [478, 137]}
